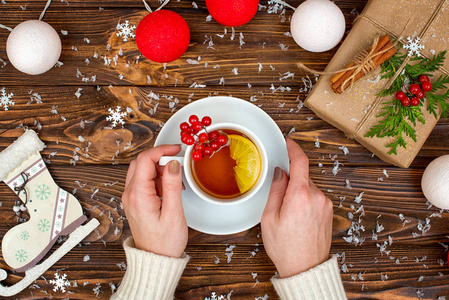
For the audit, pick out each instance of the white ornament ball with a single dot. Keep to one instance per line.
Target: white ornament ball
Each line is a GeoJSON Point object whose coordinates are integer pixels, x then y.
{"type": "Point", "coordinates": [317, 25]}
{"type": "Point", "coordinates": [33, 47]}
{"type": "Point", "coordinates": [435, 182]}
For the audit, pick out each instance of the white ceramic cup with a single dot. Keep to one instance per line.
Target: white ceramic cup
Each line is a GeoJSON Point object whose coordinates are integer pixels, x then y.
{"type": "Point", "coordinates": [185, 161]}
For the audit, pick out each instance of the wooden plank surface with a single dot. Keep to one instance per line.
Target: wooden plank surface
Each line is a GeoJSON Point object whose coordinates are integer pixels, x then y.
{"type": "Point", "coordinates": [400, 257]}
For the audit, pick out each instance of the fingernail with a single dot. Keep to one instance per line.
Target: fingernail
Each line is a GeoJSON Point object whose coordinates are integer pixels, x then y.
{"type": "Point", "coordinates": [174, 167]}
{"type": "Point", "coordinates": [278, 174]}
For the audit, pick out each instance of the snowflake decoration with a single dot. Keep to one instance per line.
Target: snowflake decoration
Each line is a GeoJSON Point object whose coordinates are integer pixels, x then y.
{"type": "Point", "coordinates": [43, 225]}
{"type": "Point", "coordinates": [126, 30]}
{"type": "Point", "coordinates": [5, 99]}
{"type": "Point", "coordinates": [21, 255]}
{"type": "Point", "coordinates": [25, 235]}
{"type": "Point", "coordinates": [116, 116]}
{"type": "Point", "coordinates": [413, 46]}
{"type": "Point", "coordinates": [42, 192]}
{"type": "Point", "coordinates": [60, 283]}
{"type": "Point", "coordinates": [215, 297]}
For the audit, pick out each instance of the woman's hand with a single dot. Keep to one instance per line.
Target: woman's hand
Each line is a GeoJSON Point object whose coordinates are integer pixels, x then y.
{"type": "Point", "coordinates": [297, 220]}
{"type": "Point", "coordinates": [152, 202]}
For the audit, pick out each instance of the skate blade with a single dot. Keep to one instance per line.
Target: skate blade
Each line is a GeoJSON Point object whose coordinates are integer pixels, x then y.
{"type": "Point", "coordinates": [35, 272]}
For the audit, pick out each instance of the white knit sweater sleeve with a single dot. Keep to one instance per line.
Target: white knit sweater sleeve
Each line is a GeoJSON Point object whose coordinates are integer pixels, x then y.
{"type": "Point", "coordinates": [320, 282]}
{"type": "Point", "coordinates": [148, 275]}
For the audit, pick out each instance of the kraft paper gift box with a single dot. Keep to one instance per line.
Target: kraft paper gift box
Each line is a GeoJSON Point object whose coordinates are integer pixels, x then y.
{"type": "Point", "coordinates": [355, 111]}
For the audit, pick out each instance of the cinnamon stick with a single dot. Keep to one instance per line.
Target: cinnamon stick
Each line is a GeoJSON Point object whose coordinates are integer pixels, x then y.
{"type": "Point", "coordinates": [378, 60]}
{"type": "Point", "coordinates": [338, 77]}
{"type": "Point", "coordinates": [383, 44]}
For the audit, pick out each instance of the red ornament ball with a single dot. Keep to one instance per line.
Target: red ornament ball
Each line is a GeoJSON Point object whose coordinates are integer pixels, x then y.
{"type": "Point", "coordinates": [163, 36]}
{"type": "Point", "coordinates": [232, 12]}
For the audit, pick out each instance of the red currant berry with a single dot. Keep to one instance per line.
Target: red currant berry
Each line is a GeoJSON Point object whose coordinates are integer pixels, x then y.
{"type": "Point", "coordinates": [415, 88]}
{"type": "Point", "coordinates": [222, 140]}
{"type": "Point", "coordinates": [420, 94]}
{"type": "Point", "coordinates": [184, 126]}
{"type": "Point", "coordinates": [426, 86]}
{"type": "Point", "coordinates": [423, 78]}
{"type": "Point", "coordinates": [214, 146]}
{"type": "Point", "coordinates": [406, 101]}
{"type": "Point", "coordinates": [197, 127]}
{"type": "Point", "coordinates": [196, 155]}
{"type": "Point", "coordinates": [203, 137]}
{"type": "Point", "coordinates": [193, 119]}
{"type": "Point", "coordinates": [213, 135]}
{"type": "Point", "coordinates": [188, 139]}
{"type": "Point", "coordinates": [206, 120]}
{"type": "Point", "coordinates": [400, 95]}
{"type": "Point", "coordinates": [199, 147]}
{"type": "Point", "coordinates": [207, 151]}
{"type": "Point", "coordinates": [415, 101]}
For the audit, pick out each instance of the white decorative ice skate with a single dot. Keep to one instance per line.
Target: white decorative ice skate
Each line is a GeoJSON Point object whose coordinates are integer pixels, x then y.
{"type": "Point", "coordinates": [53, 213]}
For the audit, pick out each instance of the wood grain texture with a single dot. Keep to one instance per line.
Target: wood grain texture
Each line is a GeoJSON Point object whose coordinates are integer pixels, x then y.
{"type": "Point", "coordinates": [404, 250]}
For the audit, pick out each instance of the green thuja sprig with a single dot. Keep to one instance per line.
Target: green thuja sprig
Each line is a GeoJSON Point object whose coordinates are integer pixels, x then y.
{"type": "Point", "coordinates": [399, 121]}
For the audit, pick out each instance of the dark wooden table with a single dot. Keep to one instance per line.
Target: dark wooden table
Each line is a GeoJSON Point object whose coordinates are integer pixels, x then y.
{"type": "Point", "coordinates": [404, 261]}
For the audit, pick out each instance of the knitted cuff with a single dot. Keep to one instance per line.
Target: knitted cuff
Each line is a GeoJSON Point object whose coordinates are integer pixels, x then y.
{"type": "Point", "coordinates": [320, 282]}
{"type": "Point", "coordinates": [22, 148]}
{"type": "Point", "coordinates": [148, 275]}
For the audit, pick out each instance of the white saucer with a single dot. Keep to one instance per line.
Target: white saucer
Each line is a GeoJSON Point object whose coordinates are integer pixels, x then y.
{"type": "Point", "coordinates": [228, 219]}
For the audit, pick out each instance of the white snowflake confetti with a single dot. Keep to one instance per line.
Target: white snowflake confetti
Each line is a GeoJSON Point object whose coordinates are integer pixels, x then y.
{"type": "Point", "coordinates": [413, 46]}
{"type": "Point", "coordinates": [126, 30]}
{"type": "Point", "coordinates": [60, 283]}
{"type": "Point", "coordinates": [214, 296]}
{"type": "Point", "coordinates": [116, 116]}
{"type": "Point", "coordinates": [5, 99]}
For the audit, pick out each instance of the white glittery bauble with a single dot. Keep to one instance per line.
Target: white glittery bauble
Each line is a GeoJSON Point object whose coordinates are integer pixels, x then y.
{"type": "Point", "coordinates": [33, 47]}
{"type": "Point", "coordinates": [435, 182]}
{"type": "Point", "coordinates": [317, 25]}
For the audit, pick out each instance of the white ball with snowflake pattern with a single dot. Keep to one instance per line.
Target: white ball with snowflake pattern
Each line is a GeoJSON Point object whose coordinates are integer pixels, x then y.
{"type": "Point", "coordinates": [317, 25]}
{"type": "Point", "coordinates": [33, 47]}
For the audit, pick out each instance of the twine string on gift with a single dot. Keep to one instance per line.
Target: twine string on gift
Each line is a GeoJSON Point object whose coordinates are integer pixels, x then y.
{"type": "Point", "coordinates": [149, 8]}
{"type": "Point", "coordinates": [378, 99]}
{"type": "Point", "coordinates": [40, 17]}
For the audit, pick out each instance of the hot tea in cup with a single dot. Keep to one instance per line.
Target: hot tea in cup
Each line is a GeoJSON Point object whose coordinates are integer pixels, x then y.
{"type": "Point", "coordinates": [224, 163]}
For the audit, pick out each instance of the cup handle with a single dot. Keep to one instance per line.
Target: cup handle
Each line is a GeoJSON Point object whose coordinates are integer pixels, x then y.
{"type": "Point", "coordinates": [164, 160]}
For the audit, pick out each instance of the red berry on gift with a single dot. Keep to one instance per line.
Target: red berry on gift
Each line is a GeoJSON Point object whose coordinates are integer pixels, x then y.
{"type": "Point", "coordinates": [196, 155]}
{"type": "Point", "coordinates": [184, 126]}
{"type": "Point", "coordinates": [426, 86]}
{"type": "Point", "coordinates": [222, 140]}
{"type": "Point", "coordinates": [415, 101]}
{"type": "Point", "coordinates": [206, 121]}
{"type": "Point", "coordinates": [400, 95]}
{"type": "Point", "coordinates": [406, 101]}
{"type": "Point", "coordinates": [213, 135]}
{"type": "Point", "coordinates": [415, 88]}
{"type": "Point", "coordinates": [423, 78]}
{"type": "Point", "coordinates": [214, 146]}
{"type": "Point", "coordinates": [420, 94]}
{"type": "Point", "coordinates": [203, 137]}
{"type": "Point", "coordinates": [193, 119]}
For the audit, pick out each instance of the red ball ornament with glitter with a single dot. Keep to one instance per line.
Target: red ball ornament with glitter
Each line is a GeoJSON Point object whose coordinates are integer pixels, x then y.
{"type": "Point", "coordinates": [163, 36]}
{"type": "Point", "coordinates": [232, 12]}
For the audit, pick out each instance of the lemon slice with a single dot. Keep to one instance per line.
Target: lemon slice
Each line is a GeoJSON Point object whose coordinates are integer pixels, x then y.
{"type": "Point", "coordinates": [247, 159]}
